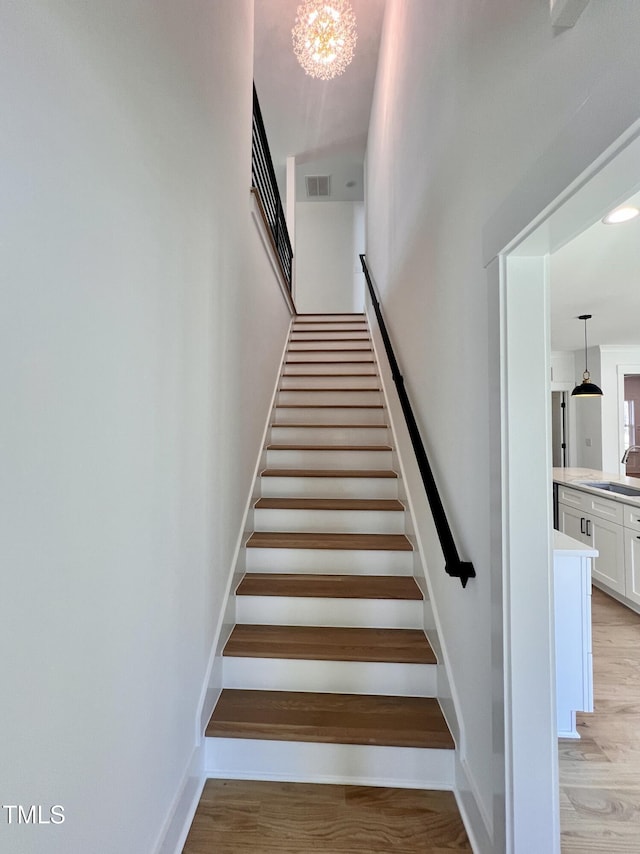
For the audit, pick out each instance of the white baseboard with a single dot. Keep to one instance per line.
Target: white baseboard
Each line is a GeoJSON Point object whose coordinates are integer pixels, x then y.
{"type": "Point", "coordinates": [212, 685]}
{"type": "Point", "coordinates": [176, 827]}
{"type": "Point", "coordinates": [478, 824]}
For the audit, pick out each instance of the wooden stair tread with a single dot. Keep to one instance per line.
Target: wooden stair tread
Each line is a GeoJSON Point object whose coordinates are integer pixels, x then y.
{"type": "Point", "coordinates": [330, 718]}
{"type": "Point", "coordinates": [311, 585]}
{"type": "Point", "coordinates": [330, 362]}
{"type": "Point", "coordinates": [329, 473]}
{"type": "Point", "coordinates": [342, 426]}
{"type": "Point", "coordinates": [361, 323]}
{"type": "Point", "coordinates": [306, 540]}
{"type": "Point", "coordinates": [327, 406]}
{"type": "Point", "coordinates": [328, 448]}
{"type": "Point", "coordinates": [285, 374]}
{"type": "Point", "coordinates": [329, 504]}
{"type": "Point", "coordinates": [329, 350]}
{"type": "Point", "coordinates": [328, 643]}
{"type": "Point", "coordinates": [339, 318]}
{"type": "Point", "coordinates": [331, 389]}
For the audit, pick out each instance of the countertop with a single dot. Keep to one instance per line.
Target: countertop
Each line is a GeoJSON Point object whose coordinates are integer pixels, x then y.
{"type": "Point", "coordinates": [574, 476]}
{"type": "Point", "coordinates": [568, 547]}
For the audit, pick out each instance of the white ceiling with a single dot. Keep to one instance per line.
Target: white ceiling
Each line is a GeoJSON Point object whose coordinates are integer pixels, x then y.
{"type": "Point", "coordinates": [323, 123]}
{"type": "Point", "coordinates": [597, 273]}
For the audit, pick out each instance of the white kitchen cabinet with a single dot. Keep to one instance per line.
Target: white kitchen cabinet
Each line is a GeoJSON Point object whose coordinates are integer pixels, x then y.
{"type": "Point", "coordinates": [608, 567]}
{"type": "Point", "coordinates": [572, 604]}
{"type": "Point", "coordinates": [571, 522]}
{"type": "Point", "coordinates": [613, 528]}
{"type": "Point", "coordinates": [632, 565]}
{"type": "Point", "coordinates": [599, 533]}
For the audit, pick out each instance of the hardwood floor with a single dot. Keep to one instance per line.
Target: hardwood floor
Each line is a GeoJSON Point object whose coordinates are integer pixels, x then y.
{"type": "Point", "coordinates": [244, 817]}
{"type": "Point", "coordinates": [600, 774]}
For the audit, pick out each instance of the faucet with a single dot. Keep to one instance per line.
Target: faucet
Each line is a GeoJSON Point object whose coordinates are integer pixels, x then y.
{"type": "Point", "coordinates": [630, 450]}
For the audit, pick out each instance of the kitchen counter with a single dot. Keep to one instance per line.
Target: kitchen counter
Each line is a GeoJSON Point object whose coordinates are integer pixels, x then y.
{"type": "Point", "coordinates": [604, 520]}
{"type": "Point", "coordinates": [574, 477]}
{"type": "Point", "coordinates": [565, 546]}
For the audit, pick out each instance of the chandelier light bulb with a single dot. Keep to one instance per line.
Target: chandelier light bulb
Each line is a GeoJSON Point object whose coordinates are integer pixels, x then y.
{"type": "Point", "coordinates": [324, 37]}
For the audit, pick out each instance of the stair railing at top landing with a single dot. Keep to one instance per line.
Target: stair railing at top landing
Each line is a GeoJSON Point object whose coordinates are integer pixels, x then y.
{"type": "Point", "coordinates": [263, 181]}
{"type": "Point", "coordinates": [453, 565]}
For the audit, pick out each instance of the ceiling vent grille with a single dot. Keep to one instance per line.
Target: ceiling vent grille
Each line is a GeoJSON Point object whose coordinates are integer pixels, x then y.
{"type": "Point", "coordinates": [318, 186]}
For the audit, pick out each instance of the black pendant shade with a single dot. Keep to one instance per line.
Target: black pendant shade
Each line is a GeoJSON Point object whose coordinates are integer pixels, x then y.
{"type": "Point", "coordinates": [586, 387]}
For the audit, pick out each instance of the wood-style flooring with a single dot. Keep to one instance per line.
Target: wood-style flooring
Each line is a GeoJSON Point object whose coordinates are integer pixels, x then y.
{"type": "Point", "coordinates": [330, 643]}
{"type": "Point", "coordinates": [329, 586]}
{"type": "Point", "coordinates": [244, 817]}
{"type": "Point", "coordinates": [600, 773]}
{"type": "Point", "coordinates": [330, 718]}
{"type": "Point", "coordinates": [286, 540]}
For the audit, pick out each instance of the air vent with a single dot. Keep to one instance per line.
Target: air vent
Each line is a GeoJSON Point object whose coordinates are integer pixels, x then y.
{"type": "Point", "coordinates": [318, 186]}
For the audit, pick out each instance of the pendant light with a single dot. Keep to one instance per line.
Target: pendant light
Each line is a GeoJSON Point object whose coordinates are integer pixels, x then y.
{"type": "Point", "coordinates": [324, 37]}
{"type": "Point", "coordinates": [586, 387]}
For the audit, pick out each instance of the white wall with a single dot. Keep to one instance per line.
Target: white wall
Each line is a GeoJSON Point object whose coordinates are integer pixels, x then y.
{"type": "Point", "coordinates": [563, 367]}
{"type": "Point", "coordinates": [470, 101]}
{"type": "Point", "coordinates": [588, 414]}
{"type": "Point", "coordinates": [329, 238]}
{"type": "Point", "coordinates": [598, 419]}
{"type": "Point", "coordinates": [132, 407]}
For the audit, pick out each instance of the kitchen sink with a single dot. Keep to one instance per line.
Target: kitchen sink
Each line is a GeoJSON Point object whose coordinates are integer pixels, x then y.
{"type": "Point", "coordinates": [618, 488]}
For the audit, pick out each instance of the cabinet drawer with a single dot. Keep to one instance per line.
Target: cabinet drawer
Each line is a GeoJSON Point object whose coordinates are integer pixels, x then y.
{"type": "Point", "coordinates": [632, 517]}
{"type": "Point", "coordinates": [572, 497]}
{"type": "Point", "coordinates": [604, 508]}
{"type": "Point", "coordinates": [591, 504]}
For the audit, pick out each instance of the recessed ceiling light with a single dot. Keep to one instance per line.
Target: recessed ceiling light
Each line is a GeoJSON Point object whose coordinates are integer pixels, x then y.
{"type": "Point", "coordinates": [621, 215]}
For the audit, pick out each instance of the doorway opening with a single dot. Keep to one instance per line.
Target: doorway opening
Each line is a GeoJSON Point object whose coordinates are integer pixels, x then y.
{"type": "Point", "coordinates": [519, 279]}
{"type": "Point", "coordinates": [631, 424]}
{"type": "Point", "coordinates": [559, 444]}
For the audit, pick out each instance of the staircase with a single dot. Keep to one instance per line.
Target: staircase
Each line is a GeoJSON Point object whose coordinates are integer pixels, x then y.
{"type": "Point", "coordinates": [328, 675]}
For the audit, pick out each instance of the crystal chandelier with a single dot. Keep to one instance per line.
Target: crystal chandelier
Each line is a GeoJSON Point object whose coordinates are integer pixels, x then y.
{"type": "Point", "coordinates": [324, 37]}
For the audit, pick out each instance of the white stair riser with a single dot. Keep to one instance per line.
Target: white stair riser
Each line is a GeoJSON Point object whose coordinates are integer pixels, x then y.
{"type": "Point", "coordinates": [329, 459]}
{"type": "Point", "coordinates": [338, 369]}
{"type": "Point", "coordinates": [335, 521]}
{"type": "Point", "coordinates": [299, 761]}
{"type": "Point", "coordinates": [339, 561]}
{"type": "Point", "coordinates": [363, 397]}
{"type": "Point", "coordinates": [332, 356]}
{"type": "Point", "coordinates": [328, 415]}
{"type": "Point", "coordinates": [317, 611]}
{"type": "Point", "coordinates": [329, 435]}
{"type": "Point", "coordinates": [365, 382]}
{"type": "Point", "coordinates": [329, 487]}
{"type": "Point", "coordinates": [337, 677]}
{"type": "Point", "coordinates": [298, 334]}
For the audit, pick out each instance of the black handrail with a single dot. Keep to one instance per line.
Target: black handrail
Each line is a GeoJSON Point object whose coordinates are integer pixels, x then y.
{"type": "Point", "coordinates": [263, 178]}
{"type": "Point", "coordinates": [453, 565]}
